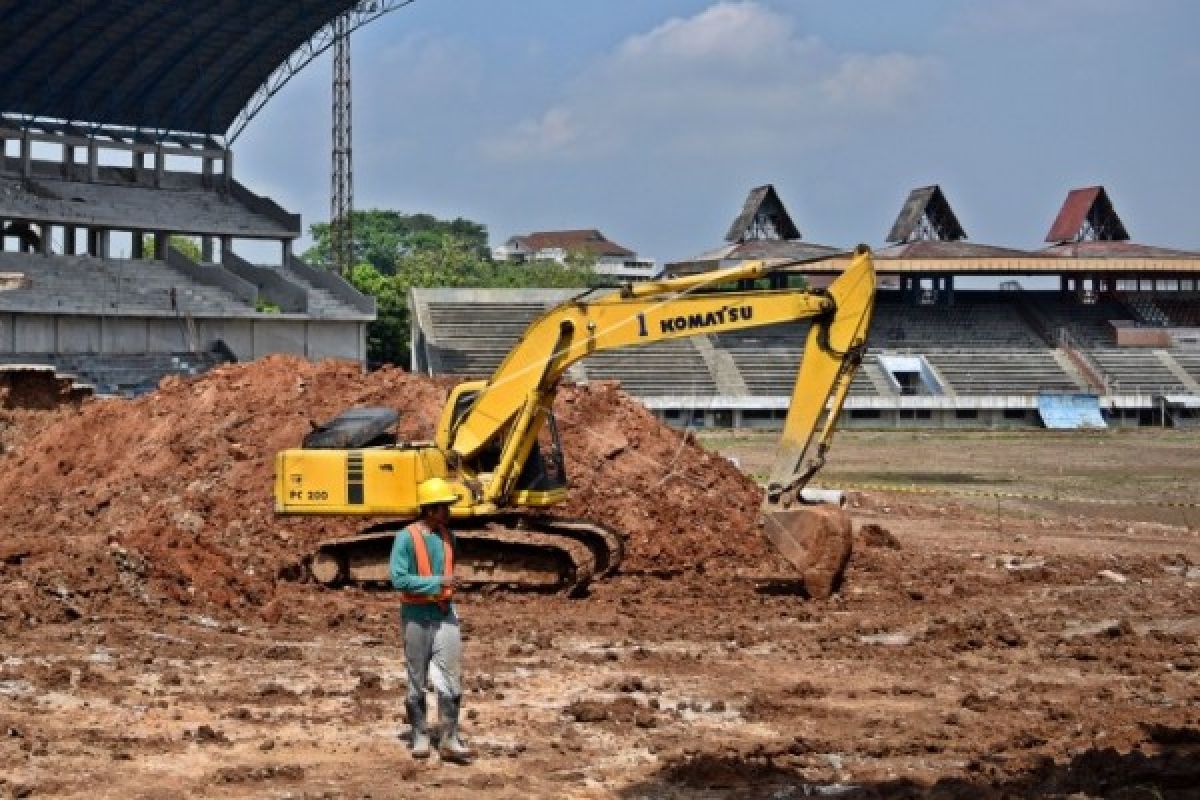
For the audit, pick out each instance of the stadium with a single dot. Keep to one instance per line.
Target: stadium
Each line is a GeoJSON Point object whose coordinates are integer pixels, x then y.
{"type": "Point", "coordinates": [108, 154]}
{"type": "Point", "coordinates": [1090, 331]}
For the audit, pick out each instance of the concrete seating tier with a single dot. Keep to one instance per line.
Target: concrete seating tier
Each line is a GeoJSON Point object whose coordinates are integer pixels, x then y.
{"type": "Point", "coordinates": [121, 374]}
{"type": "Point", "coordinates": [1087, 324]}
{"type": "Point", "coordinates": [473, 338]}
{"type": "Point", "coordinates": [767, 357]}
{"type": "Point", "coordinates": [995, 371]}
{"type": "Point", "coordinates": [1184, 313]}
{"type": "Point", "coordinates": [989, 320]}
{"type": "Point", "coordinates": [1135, 371]}
{"type": "Point", "coordinates": [182, 204]}
{"type": "Point", "coordinates": [673, 368]}
{"type": "Point", "coordinates": [86, 285]}
{"type": "Point", "coordinates": [1146, 310]}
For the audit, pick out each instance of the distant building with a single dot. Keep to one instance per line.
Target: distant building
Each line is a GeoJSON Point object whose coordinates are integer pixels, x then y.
{"type": "Point", "coordinates": [612, 259]}
{"type": "Point", "coordinates": [763, 231]}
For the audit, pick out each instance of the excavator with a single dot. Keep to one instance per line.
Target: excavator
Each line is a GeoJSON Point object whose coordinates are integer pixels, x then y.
{"type": "Point", "coordinates": [497, 442]}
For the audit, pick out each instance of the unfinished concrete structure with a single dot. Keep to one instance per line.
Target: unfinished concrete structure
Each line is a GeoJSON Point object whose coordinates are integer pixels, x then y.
{"type": "Point", "coordinates": [107, 153]}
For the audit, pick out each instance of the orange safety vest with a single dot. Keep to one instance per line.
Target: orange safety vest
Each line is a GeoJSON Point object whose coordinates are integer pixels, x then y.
{"type": "Point", "coordinates": [417, 532]}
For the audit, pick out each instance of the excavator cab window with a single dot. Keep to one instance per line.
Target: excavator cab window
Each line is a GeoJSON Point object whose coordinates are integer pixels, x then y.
{"type": "Point", "coordinates": [545, 468]}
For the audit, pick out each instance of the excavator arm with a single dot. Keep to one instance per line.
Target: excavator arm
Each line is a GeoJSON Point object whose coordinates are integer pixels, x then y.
{"type": "Point", "coordinates": [506, 408]}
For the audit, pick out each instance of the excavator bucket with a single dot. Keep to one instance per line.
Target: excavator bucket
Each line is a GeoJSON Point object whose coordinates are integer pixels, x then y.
{"type": "Point", "coordinates": [816, 539]}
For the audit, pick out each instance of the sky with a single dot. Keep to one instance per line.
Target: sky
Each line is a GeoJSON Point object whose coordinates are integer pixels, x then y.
{"type": "Point", "coordinates": [652, 119]}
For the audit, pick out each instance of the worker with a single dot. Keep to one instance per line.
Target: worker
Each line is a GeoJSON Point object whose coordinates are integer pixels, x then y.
{"type": "Point", "coordinates": [422, 568]}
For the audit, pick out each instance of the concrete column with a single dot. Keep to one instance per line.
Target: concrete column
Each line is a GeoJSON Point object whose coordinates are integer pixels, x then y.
{"type": "Point", "coordinates": [93, 160]}
{"type": "Point", "coordinates": [226, 248]}
{"type": "Point", "coordinates": [103, 240]}
{"type": "Point", "coordinates": [206, 170]}
{"type": "Point", "coordinates": [160, 165]}
{"type": "Point", "coordinates": [139, 245]}
{"type": "Point", "coordinates": [26, 156]}
{"type": "Point", "coordinates": [161, 240]}
{"type": "Point", "coordinates": [206, 249]}
{"type": "Point", "coordinates": [287, 251]}
{"type": "Point", "coordinates": [950, 290]}
{"type": "Point", "coordinates": [70, 240]}
{"type": "Point", "coordinates": [47, 237]}
{"type": "Point", "coordinates": [93, 242]}
{"type": "Point", "coordinates": [228, 166]}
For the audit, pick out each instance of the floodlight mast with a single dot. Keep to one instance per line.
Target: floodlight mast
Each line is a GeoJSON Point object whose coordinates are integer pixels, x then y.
{"type": "Point", "coordinates": [341, 196]}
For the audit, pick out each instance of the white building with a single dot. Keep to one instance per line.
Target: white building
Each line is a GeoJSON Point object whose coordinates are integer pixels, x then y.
{"type": "Point", "coordinates": [612, 259]}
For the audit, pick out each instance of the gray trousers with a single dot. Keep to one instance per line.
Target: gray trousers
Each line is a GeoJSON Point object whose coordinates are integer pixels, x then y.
{"type": "Point", "coordinates": [432, 650]}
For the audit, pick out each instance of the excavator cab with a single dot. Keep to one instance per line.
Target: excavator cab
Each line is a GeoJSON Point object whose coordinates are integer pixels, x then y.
{"type": "Point", "coordinates": [545, 469]}
{"type": "Point", "coordinates": [542, 480]}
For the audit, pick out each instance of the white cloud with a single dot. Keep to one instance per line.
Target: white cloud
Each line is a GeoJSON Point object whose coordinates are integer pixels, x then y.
{"type": "Point", "coordinates": [555, 131]}
{"type": "Point", "coordinates": [737, 74]}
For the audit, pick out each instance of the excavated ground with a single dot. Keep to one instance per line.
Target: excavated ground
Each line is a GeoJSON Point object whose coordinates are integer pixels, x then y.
{"type": "Point", "coordinates": [152, 650]}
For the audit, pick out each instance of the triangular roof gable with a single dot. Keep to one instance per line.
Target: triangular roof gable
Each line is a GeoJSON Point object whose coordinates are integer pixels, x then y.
{"type": "Point", "coordinates": [1087, 214]}
{"type": "Point", "coordinates": [926, 214]}
{"type": "Point", "coordinates": [763, 217]}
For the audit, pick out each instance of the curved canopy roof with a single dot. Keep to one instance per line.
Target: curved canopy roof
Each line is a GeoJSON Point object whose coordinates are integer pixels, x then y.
{"type": "Point", "coordinates": [181, 65]}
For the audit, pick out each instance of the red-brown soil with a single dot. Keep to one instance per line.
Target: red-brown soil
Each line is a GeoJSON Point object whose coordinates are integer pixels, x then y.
{"type": "Point", "coordinates": [1046, 652]}
{"type": "Point", "coordinates": [173, 490]}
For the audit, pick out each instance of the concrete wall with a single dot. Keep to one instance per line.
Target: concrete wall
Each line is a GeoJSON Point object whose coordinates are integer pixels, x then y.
{"type": "Point", "coordinates": [247, 338]}
{"type": "Point", "coordinates": [79, 334]}
{"type": "Point", "coordinates": [1143, 337]}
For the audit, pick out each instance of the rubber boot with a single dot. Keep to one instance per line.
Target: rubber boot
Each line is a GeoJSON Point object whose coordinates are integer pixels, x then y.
{"type": "Point", "coordinates": [451, 747]}
{"type": "Point", "coordinates": [420, 733]}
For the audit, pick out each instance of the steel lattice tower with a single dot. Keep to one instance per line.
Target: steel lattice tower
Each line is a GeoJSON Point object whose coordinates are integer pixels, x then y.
{"type": "Point", "coordinates": [341, 196]}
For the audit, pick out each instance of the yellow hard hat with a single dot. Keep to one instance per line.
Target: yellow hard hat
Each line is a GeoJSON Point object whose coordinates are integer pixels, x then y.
{"type": "Point", "coordinates": [436, 491]}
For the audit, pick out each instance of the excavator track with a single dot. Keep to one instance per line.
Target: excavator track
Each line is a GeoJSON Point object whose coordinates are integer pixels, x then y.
{"type": "Point", "coordinates": [514, 552]}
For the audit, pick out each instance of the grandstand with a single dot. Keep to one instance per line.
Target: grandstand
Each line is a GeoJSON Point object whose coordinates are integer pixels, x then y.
{"type": "Point", "coordinates": [1114, 343]}
{"type": "Point", "coordinates": [108, 150]}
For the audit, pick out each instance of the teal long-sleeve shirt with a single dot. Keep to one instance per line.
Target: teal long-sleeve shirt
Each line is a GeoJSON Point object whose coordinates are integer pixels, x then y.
{"type": "Point", "coordinates": [403, 568]}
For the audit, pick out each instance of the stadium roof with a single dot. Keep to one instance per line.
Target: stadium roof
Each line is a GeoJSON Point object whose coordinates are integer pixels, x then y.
{"type": "Point", "coordinates": [763, 216]}
{"type": "Point", "coordinates": [929, 206]}
{"type": "Point", "coordinates": [183, 65]}
{"type": "Point", "coordinates": [1087, 214]}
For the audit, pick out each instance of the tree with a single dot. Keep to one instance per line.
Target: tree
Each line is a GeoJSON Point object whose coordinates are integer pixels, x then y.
{"type": "Point", "coordinates": [445, 260]}
{"type": "Point", "coordinates": [184, 244]}
{"type": "Point", "coordinates": [382, 237]}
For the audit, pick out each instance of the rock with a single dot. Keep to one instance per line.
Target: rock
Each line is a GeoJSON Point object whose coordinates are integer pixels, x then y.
{"type": "Point", "coordinates": [1115, 577]}
{"type": "Point", "coordinates": [645, 719]}
{"type": "Point", "coordinates": [369, 683]}
{"type": "Point", "coordinates": [898, 639]}
{"type": "Point", "coordinates": [206, 734]}
{"type": "Point", "coordinates": [188, 521]}
{"type": "Point", "coordinates": [873, 535]}
{"type": "Point", "coordinates": [1017, 564]}
{"type": "Point", "coordinates": [267, 746]}
{"type": "Point", "coordinates": [587, 711]}
{"type": "Point", "coordinates": [1108, 627]}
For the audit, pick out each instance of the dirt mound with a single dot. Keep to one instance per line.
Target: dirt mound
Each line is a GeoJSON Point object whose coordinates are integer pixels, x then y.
{"type": "Point", "coordinates": [681, 506]}
{"type": "Point", "coordinates": [170, 495]}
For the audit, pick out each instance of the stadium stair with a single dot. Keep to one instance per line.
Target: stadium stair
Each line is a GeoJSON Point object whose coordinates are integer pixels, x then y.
{"type": "Point", "coordinates": [86, 285]}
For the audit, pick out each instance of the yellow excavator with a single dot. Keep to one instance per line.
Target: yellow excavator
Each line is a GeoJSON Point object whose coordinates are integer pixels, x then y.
{"type": "Point", "coordinates": [498, 444]}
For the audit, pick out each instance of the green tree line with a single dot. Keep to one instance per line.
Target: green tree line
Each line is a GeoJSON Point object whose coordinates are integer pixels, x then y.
{"type": "Point", "coordinates": [395, 252]}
